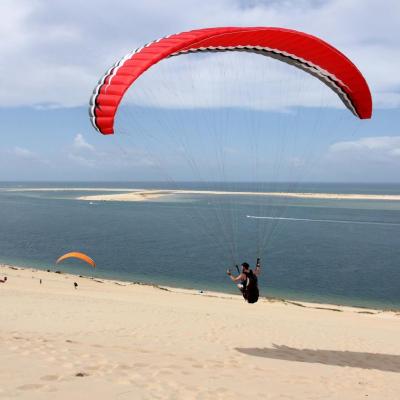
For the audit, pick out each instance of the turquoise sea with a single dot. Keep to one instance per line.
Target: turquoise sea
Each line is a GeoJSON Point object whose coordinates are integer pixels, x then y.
{"type": "Point", "coordinates": [323, 250]}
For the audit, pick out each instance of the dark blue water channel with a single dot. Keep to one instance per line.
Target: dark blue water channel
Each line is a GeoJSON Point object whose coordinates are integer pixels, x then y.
{"type": "Point", "coordinates": [336, 251]}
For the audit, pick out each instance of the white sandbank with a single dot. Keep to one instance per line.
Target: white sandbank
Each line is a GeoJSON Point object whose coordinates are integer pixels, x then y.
{"type": "Point", "coordinates": [116, 340]}
{"type": "Point", "coordinates": [145, 194]}
{"type": "Point", "coordinates": [68, 189]}
{"type": "Point", "coordinates": [140, 195]}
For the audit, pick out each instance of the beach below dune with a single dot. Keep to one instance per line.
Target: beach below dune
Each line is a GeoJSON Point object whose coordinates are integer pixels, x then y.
{"type": "Point", "coordinates": [118, 340]}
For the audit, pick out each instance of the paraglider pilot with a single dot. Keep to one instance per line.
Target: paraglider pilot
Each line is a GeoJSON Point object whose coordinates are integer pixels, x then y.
{"type": "Point", "coordinates": [248, 282]}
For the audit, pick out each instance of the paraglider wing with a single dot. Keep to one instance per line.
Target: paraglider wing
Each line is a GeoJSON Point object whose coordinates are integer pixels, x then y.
{"type": "Point", "coordinates": [304, 51]}
{"type": "Point", "coordinates": [80, 256]}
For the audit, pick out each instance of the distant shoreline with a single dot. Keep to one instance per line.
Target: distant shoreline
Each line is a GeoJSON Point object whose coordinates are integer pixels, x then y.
{"type": "Point", "coordinates": [150, 194]}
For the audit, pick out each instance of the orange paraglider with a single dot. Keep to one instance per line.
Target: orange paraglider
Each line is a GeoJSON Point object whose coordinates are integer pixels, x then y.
{"type": "Point", "coordinates": [80, 256]}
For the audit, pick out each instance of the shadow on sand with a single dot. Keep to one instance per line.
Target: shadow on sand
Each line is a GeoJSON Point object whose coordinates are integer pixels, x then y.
{"type": "Point", "coordinates": [382, 362]}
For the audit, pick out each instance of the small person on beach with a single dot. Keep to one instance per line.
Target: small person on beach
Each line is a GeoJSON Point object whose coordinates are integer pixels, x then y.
{"type": "Point", "coordinates": [248, 281]}
{"type": "Point", "coordinates": [3, 280]}
{"type": "Point", "coordinates": [75, 285]}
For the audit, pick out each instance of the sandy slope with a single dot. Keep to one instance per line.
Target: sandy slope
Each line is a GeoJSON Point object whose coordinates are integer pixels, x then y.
{"type": "Point", "coordinates": [113, 340]}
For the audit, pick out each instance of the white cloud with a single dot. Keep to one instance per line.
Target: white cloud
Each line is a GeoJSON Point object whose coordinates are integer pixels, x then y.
{"type": "Point", "coordinates": [297, 162]}
{"type": "Point", "coordinates": [56, 51]}
{"type": "Point", "coordinates": [23, 153]}
{"type": "Point", "coordinates": [365, 159]}
{"type": "Point", "coordinates": [80, 143]}
{"type": "Point", "coordinates": [396, 152]}
{"type": "Point", "coordinates": [81, 160]}
{"type": "Point", "coordinates": [387, 146]}
{"type": "Point", "coordinates": [83, 153]}
{"type": "Point", "coordinates": [26, 155]}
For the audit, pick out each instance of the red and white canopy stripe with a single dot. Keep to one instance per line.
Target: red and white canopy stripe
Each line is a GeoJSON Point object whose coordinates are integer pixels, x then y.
{"type": "Point", "coordinates": [304, 51]}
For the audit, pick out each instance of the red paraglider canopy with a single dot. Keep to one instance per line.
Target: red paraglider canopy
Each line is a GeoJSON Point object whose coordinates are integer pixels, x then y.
{"type": "Point", "coordinates": [304, 51]}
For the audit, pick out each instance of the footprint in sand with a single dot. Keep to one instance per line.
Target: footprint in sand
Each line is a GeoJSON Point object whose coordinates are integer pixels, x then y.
{"type": "Point", "coordinates": [120, 381]}
{"type": "Point", "coordinates": [93, 367]}
{"type": "Point", "coordinates": [51, 389]}
{"type": "Point", "coordinates": [123, 367]}
{"type": "Point", "coordinates": [165, 372]}
{"type": "Point", "coordinates": [81, 374]}
{"type": "Point", "coordinates": [140, 365]}
{"type": "Point", "coordinates": [183, 372]}
{"type": "Point", "coordinates": [49, 378]}
{"type": "Point", "coordinates": [221, 390]}
{"type": "Point", "coordinates": [30, 386]}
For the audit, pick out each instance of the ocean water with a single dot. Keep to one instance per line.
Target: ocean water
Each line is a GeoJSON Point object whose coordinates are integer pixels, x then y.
{"type": "Point", "coordinates": [323, 250]}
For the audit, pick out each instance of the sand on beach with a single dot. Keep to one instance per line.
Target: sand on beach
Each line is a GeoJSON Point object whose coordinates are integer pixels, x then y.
{"type": "Point", "coordinates": [69, 189]}
{"type": "Point", "coordinates": [140, 195]}
{"type": "Point", "coordinates": [116, 340]}
{"type": "Point", "coordinates": [125, 194]}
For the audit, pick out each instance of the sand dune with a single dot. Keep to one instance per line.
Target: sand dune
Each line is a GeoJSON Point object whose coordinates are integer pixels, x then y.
{"type": "Point", "coordinates": [115, 340]}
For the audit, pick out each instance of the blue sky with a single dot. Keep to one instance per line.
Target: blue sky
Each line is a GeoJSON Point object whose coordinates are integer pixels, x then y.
{"type": "Point", "coordinates": [243, 119]}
